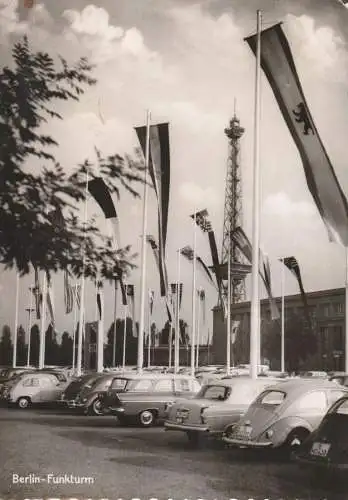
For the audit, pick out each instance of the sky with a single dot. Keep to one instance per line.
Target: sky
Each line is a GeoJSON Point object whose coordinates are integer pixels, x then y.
{"type": "Point", "coordinates": [188, 63]}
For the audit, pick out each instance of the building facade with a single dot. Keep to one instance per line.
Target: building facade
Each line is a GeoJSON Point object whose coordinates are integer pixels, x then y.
{"type": "Point", "coordinates": [327, 312]}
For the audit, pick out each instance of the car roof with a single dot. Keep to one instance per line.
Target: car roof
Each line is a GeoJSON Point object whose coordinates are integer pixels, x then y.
{"type": "Point", "coordinates": [136, 376]}
{"type": "Point", "coordinates": [302, 386]}
{"type": "Point", "coordinates": [244, 381]}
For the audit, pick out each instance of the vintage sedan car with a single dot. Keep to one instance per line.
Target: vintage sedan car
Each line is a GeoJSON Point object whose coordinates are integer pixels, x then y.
{"type": "Point", "coordinates": [32, 388]}
{"type": "Point", "coordinates": [284, 414]}
{"type": "Point", "coordinates": [71, 393]}
{"type": "Point", "coordinates": [144, 397]}
{"type": "Point", "coordinates": [9, 373]}
{"type": "Point", "coordinates": [327, 447]}
{"type": "Point", "coordinates": [214, 407]}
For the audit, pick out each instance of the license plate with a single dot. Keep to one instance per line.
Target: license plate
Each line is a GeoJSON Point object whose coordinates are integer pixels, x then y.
{"type": "Point", "coordinates": [320, 449]}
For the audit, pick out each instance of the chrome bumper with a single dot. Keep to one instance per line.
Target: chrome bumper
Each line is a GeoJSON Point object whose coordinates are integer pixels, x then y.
{"type": "Point", "coordinates": [173, 426]}
{"type": "Point", "coordinates": [247, 443]}
{"type": "Point", "coordinates": [74, 404]}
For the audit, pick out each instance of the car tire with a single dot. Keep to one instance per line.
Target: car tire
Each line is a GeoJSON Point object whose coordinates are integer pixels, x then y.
{"type": "Point", "coordinates": [194, 438]}
{"type": "Point", "coordinates": [294, 440]}
{"type": "Point", "coordinates": [96, 408]}
{"type": "Point", "coordinates": [23, 403]}
{"type": "Point", "coordinates": [147, 418]}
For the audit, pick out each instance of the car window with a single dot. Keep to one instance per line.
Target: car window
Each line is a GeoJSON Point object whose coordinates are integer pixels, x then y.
{"type": "Point", "coordinates": [165, 385]}
{"type": "Point", "coordinates": [46, 381]}
{"type": "Point", "coordinates": [182, 385]}
{"type": "Point", "coordinates": [342, 409]}
{"type": "Point", "coordinates": [272, 398]}
{"type": "Point", "coordinates": [215, 392]}
{"type": "Point", "coordinates": [312, 400]}
{"type": "Point", "coordinates": [28, 382]}
{"type": "Point", "coordinates": [141, 385]}
{"type": "Point", "coordinates": [119, 383]}
{"type": "Point", "coordinates": [333, 396]}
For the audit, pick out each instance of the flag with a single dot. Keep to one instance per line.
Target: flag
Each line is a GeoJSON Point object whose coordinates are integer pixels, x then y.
{"type": "Point", "coordinates": [181, 287]}
{"type": "Point", "coordinates": [201, 296]}
{"type": "Point", "coordinates": [278, 64]}
{"type": "Point", "coordinates": [151, 300]}
{"type": "Point", "coordinates": [37, 294]}
{"type": "Point", "coordinates": [201, 220]}
{"type": "Point", "coordinates": [241, 240]}
{"type": "Point", "coordinates": [130, 295]}
{"type": "Point", "coordinates": [68, 294]}
{"type": "Point", "coordinates": [159, 168]}
{"type": "Point", "coordinates": [49, 299]}
{"type": "Point", "coordinates": [216, 267]}
{"type": "Point", "coordinates": [152, 242]}
{"type": "Point", "coordinates": [100, 299]}
{"type": "Point", "coordinates": [205, 269]}
{"type": "Point", "coordinates": [292, 264]}
{"type": "Point", "coordinates": [161, 266]}
{"type": "Point", "coordinates": [187, 252]}
{"type": "Point", "coordinates": [234, 331]}
{"type": "Point", "coordinates": [77, 293]}
{"type": "Point", "coordinates": [101, 193]}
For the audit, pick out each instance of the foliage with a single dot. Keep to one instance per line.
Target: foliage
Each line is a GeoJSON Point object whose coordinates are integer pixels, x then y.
{"type": "Point", "coordinates": [6, 347]}
{"type": "Point", "coordinates": [39, 220]}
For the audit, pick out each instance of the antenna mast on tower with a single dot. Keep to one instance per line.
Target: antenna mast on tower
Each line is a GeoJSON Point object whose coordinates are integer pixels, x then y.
{"type": "Point", "coordinates": [233, 216]}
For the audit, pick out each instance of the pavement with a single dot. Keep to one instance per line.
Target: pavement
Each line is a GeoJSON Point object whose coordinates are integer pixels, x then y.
{"type": "Point", "coordinates": [50, 453]}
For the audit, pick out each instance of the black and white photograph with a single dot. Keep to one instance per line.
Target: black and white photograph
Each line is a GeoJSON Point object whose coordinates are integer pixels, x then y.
{"type": "Point", "coordinates": [173, 249]}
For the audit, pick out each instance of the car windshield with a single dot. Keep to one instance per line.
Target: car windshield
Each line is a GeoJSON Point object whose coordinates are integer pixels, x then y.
{"type": "Point", "coordinates": [214, 392]}
{"type": "Point", "coordinates": [271, 398]}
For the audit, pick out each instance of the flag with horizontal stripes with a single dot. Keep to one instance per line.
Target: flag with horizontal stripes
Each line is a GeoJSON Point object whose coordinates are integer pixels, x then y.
{"type": "Point", "coordinates": [241, 240]}
{"type": "Point", "coordinates": [101, 193]}
{"type": "Point", "coordinates": [37, 293]}
{"type": "Point", "coordinates": [278, 65]}
{"type": "Point", "coordinates": [68, 294]}
{"type": "Point", "coordinates": [49, 299]}
{"type": "Point", "coordinates": [159, 168]}
{"type": "Point", "coordinates": [293, 266]}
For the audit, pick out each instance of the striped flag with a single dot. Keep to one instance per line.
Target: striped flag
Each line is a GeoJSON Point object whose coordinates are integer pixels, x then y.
{"type": "Point", "coordinates": [293, 266]}
{"type": "Point", "coordinates": [278, 65]}
{"type": "Point", "coordinates": [68, 294]}
{"type": "Point", "coordinates": [77, 294]}
{"type": "Point", "coordinates": [49, 299]}
{"type": "Point", "coordinates": [37, 294]}
{"type": "Point", "coordinates": [101, 193]}
{"type": "Point", "coordinates": [159, 168]}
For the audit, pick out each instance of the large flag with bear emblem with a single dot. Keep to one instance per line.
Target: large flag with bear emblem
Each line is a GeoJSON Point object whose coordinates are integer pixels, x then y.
{"type": "Point", "coordinates": [278, 65]}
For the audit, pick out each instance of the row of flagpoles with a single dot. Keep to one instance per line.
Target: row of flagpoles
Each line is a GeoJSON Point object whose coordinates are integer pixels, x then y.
{"type": "Point", "coordinates": [273, 56]}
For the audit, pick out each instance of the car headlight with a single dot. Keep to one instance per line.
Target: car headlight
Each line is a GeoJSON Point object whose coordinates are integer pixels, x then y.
{"type": "Point", "coordinates": [269, 433]}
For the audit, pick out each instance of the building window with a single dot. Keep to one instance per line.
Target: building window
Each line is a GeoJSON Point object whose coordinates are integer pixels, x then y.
{"type": "Point", "coordinates": [338, 308]}
{"type": "Point", "coordinates": [337, 338]}
{"type": "Point", "coordinates": [326, 310]}
{"type": "Point", "coordinates": [324, 335]}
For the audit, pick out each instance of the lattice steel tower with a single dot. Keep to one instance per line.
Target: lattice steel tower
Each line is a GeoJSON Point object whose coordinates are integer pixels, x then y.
{"type": "Point", "coordinates": [233, 210]}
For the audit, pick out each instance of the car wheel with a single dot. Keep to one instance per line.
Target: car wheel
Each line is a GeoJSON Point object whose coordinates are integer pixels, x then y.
{"type": "Point", "coordinates": [294, 440]}
{"type": "Point", "coordinates": [23, 403]}
{"type": "Point", "coordinates": [147, 418]}
{"type": "Point", "coordinates": [193, 437]}
{"type": "Point", "coordinates": [96, 408]}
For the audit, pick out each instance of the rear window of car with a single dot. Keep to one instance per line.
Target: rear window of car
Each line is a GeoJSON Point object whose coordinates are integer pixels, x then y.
{"type": "Point", "coordinates": [271, 398]}
{"type": "Point", "coordinates": [214, 392]}
{"type": "Point", "coordinates": [342, 408]}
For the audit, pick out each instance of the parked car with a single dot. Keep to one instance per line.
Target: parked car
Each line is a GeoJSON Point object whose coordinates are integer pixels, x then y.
{"type": "Point", "coordinates": [327, 446]}
{"type": "Point", "coordinates": [143, 397]}
{"type": "Point", "coordinates": [32, 388]}
{"type": "Point", "coordinates": [339, 378]}
{"type": "Point", "coordinates": [284, 414]}
{"type": "Point", "coordinates": [68, 397]}
{"type": "Point", "coordinates": [87, 400]}
{"type": "Point", "coordinates": [214, 407]}
{"type": "Point", "coordinates": [8, 373]}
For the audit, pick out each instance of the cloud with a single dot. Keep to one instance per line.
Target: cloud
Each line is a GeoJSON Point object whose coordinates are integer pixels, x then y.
{"type": "Point", "coordinates": [9, 24]}
{"type": "Point", "coordinates": [320, 50]}
{"type": "Point", "coordinates": [280, 205]}
{"type": "Point", "coordinates": [198, 196]}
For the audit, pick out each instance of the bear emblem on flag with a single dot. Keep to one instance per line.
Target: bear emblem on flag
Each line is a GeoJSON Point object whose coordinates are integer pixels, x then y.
{"type": "Point", "coordinates": [301, 116]}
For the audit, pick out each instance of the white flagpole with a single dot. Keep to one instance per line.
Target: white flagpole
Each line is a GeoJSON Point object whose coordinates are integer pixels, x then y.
{"type": "Point", "coordinates": [177, 326]}
{"type": "Point", "coordinates": [346, 315]}
{"type": "Point", "coordinates": [74, 327]}
{"type": "Point", "coordinates": [282, 364]}
{"type": "Point", "coordinates": [115, 327]}
{"type": "Point", "coordinates": [14, 357]}
{"type": "Point", "coordinates": [228, 346]}
{"type": "Point", "coordinates": [143, 253]}
{"type": "Point", "coordinates": [82, 293]}
{"type": "Point", "coordinates": [124, 337]}
{"type": "Point", "coordinates": [149, 332]}
{"type": "Point", "coordinates": [193, 336]}
{"type": "Point", "coordinates": [255, 299]}
{"type": "Point", "coordinates": [29, 326]}
{"type": "Point", "coordinates": [198, 328]}
{"type": "Point", "coordinates": [43, 324]}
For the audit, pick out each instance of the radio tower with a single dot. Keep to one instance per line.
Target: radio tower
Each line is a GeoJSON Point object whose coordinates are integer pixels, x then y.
{"type": "Point", "coordinates": [233, 212]}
